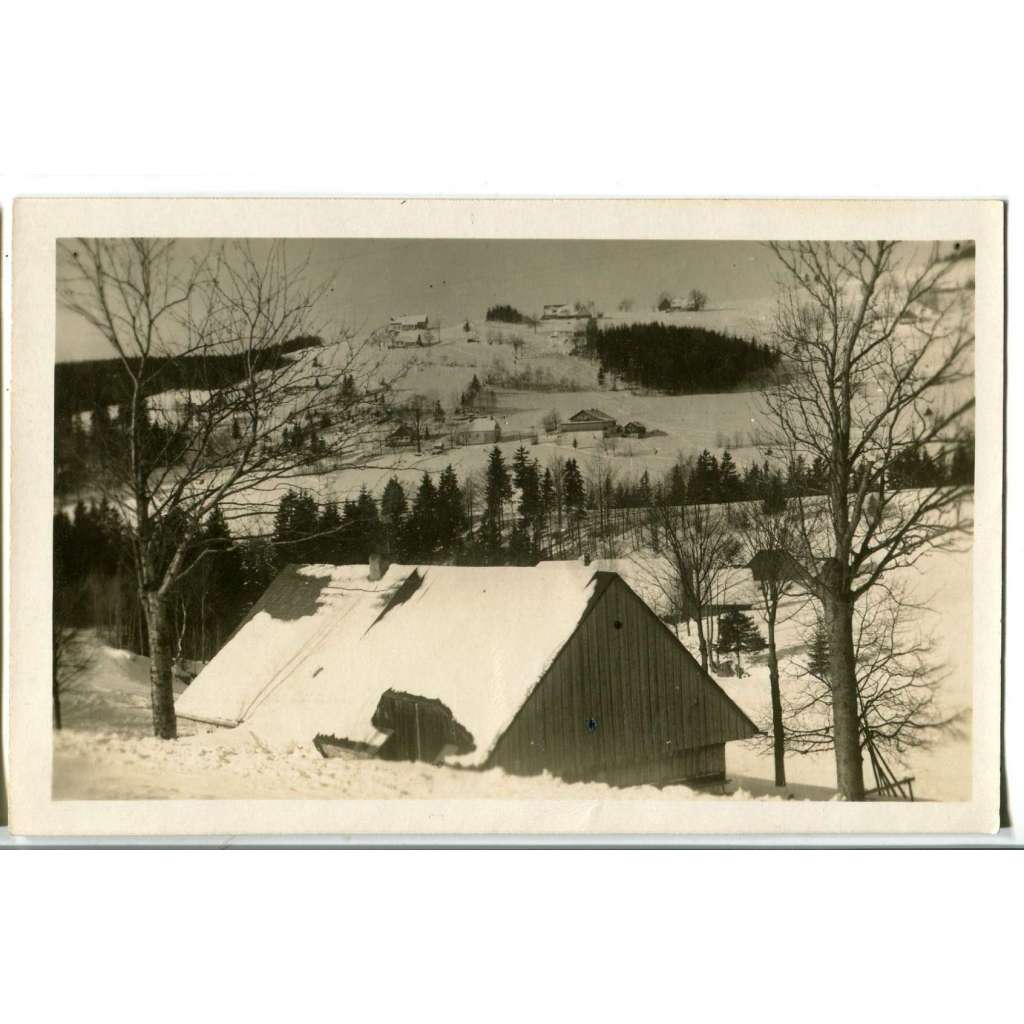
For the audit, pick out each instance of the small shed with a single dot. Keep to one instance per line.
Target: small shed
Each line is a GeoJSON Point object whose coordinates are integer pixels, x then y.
{"type": "Point", "coordinates": [555, 668]}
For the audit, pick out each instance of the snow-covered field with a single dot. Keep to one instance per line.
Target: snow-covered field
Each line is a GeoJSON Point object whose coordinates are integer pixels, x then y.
{"type": "Point", "coordinates": [106, 752]}
{"type": "Point", "coordinates": [941, 583]}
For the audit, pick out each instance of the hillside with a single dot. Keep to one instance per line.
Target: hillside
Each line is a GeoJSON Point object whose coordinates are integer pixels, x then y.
{"type": "Point", "coordinates": [84, 385]}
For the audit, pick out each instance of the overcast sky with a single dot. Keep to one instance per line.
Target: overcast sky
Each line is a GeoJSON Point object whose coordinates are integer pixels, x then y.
{"type": "Point", "coordinates": [455, 279]}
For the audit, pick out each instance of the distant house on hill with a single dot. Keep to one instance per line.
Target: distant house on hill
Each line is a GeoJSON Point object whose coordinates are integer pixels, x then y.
{"type": "Point", "coordinates": [559, 311]}
{"type": "Point", "coordinates": [634, 429]}
{"type": "Point", "coordinates": [568, 672]}
{"type": "Point", "coordinates": [591, 419]}
{"type": "Point", "coordinates": [409, 322]}
{"type": "Point", "coordinates": [479, 431]}
{"type": "Point", "coordinates": [400, 437]}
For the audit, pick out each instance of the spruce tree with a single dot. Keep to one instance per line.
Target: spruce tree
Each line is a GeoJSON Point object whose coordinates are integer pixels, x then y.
{"type": "Point", "coordinates": [574, 498]}
{"type": "Point", "coordinates": [330, 543]}
{"type": "Point", "coordinates": [498, 489]}
{"type": "Point", "coordinates": [421, 526]}
{"type": "Point", "coordinates": [451, 517]}
{"type": "Point", "coordinates": [704, 484]}
{"type": "Point", "coordinates": [547, 497]}
{"type": "Point", "coordinates": [520, 461]}
{"type": "Point", "coordinates": [819, 654]}
{"type": "Point", "coordinates": [369, 534]}
{"type": "Point", "coordinates": [738, 633]}
{"type": "Point", "coordinates": [729, 484]}
{"type": "Point", "coordinates": [531, 509]}
{"type": "Point", "coordinates": [393, 508]}
{"type": "Point", "coordinates": [675, 486]}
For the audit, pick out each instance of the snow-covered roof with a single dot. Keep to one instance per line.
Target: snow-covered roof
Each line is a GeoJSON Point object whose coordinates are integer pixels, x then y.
{"type": "Point", "coordinates": [409, 320]}
{"type": "Point", "coordinates": [586, 415]}
{"type": "Point", "coordinates": [294, 616]}
{"type": "Point", "coordinates": [316, 656]}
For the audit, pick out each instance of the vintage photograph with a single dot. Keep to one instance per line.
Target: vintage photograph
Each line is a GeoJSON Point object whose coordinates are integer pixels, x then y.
{"type": "Point", "coordinates": [378, 518]}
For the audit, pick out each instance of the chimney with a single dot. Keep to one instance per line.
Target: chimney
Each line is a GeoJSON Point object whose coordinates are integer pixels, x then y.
{"type": "Point", "coordinates": [378, 566]}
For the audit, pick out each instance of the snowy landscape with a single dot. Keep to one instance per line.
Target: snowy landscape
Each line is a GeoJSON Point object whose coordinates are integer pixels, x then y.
{"type": "Point", "coordinates": [423, 516]}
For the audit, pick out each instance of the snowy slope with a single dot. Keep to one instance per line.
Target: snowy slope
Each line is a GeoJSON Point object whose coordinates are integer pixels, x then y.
{"type": "Point", "coordinates": [107, 752]}
{"type": "Point", "coordinates": [941, 583]}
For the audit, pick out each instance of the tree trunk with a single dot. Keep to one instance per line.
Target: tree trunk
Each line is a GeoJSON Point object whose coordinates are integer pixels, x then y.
{"type": "Point", "coordinates": [778, 732]}
{"type": "Point", "coordinates": [161, 639]}
{"type": "Point", "coordinates": [57, 721]}
{"type": "Point", "coordinates": [702, 641]}
{"type": "Point", "coordinates": [843, 681]}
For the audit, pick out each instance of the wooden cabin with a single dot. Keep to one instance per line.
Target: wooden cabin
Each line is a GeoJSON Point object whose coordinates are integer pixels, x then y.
{"type": "Point", "coordinates": [591, 420]}
{"type": "Point", "coordinates": [555, 668]}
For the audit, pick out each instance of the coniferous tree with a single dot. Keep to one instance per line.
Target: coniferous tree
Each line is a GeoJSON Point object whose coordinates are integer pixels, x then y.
{"type": "Point", "coordinates": [738, 633]}
{"type": "Point", "coordinates": [675, 488]}
{"type": "Point", "coordinates": [819, 654]}
{"type": "Point", "coordinates": [393, 508]}
{"type": "Point", "coordinates": [547, 497]}
{"type": "Point", "coordinates": [574, 499]}
{"type": "Point", "coordinates": [451, 518]}
{"type": "Point", "coordinates": [520, 462]}
{"type": "Point", "coordinates": [520, 550]}
{"type": "Point", "coordinates": [730, 487]}
{"type": "Point", "coordinates": [531, 508]}
{"type": "Point", "coordinates": [704, 487]}
{"type": "Point", "coordinates": [258, 566]}
{"type": "Point", "coordinates": [678, 359]}
{"type": "Point", "coordinates": [421, 526]}
{"type": "Point", "coordinates": [370, 532]}
{"type": "Point", "coordinates": [349, 535]}
{"type": "Point", "coordinates": [331, 542]}
{"type": "Point", "coordinates": [295, 527]}
{"type": "Point", "coordinates": [644, 494]}
{"type": "Point", "coordinates": [498, 491]}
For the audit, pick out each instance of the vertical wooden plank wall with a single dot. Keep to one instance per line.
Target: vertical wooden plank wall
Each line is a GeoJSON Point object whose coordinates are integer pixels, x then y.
{"type": "Point", "coordinates": [623, 703]}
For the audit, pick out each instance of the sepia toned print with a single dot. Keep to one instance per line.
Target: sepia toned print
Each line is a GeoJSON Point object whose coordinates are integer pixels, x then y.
{"type": "Point", "coordinates": [680, 524]}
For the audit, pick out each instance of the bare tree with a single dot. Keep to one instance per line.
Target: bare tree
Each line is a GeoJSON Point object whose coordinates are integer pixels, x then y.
{"type": "Point", "coordinates": [898, 681]}
{"type": "Point", "coordinates": [697, 543]}
{"type": "Point", "coordinates": [877, 361]}
{"type": "Point", "coordinates": [415, 412]}
{"type": "Point", "coordinates": [767, 529]}
{"type": "Point", "coordinates": [71, 655]}
{"type": "Point", "coordinates": [600, 523]}
{"type": "Point", "coordinates": [235, 329]}
{"type": "Point", "coordinates": [696, 300]}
